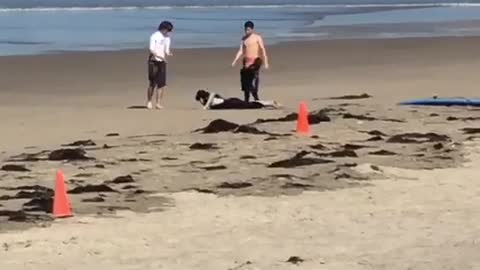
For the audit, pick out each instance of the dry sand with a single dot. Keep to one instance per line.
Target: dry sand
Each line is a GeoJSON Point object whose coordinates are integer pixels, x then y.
{"type": "Point", "coordinates": [236, 205]}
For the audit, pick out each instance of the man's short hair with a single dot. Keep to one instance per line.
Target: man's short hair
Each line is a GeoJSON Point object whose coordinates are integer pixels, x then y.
{"type": "Point", "coordinates": [165, 25]}
{"type": "Point", "coordinates": [249, 24]}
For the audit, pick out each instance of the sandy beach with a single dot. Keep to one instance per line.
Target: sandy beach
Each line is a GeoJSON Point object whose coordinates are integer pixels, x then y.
{"type": "Point", "coordinates": [376, 186]}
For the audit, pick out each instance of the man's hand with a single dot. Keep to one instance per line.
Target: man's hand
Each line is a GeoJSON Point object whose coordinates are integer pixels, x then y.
{"type": "Point", "coordinates": [267, 66]}
{"type": "Point", "coordinates": [234, 63]}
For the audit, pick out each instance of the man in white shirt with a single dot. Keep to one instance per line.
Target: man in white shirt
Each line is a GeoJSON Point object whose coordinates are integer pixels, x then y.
{"type": "Point", "coordinates": [157, 63]}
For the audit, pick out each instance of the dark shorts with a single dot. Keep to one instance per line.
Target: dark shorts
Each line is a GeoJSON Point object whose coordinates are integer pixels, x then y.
{"type": "Point", "coordinates": [157, 73]}
{"type": "Point", "coordinates": [250, 76]}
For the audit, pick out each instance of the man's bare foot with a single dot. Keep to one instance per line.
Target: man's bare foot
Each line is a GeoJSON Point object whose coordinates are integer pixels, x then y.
{"type": "Point", "coordinates": [149, 105]}
{"type": "Point", "coordinates": [158, 107]}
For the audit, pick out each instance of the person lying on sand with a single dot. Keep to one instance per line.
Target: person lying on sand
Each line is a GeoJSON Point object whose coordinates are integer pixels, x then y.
{"type": "Point", "coordinates": [212, 101]}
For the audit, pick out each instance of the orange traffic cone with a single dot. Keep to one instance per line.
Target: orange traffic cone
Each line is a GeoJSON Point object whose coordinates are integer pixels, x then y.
{"type": "Point", "coordinates": [61, 204]}
{"type": "Point", "coordinates": [303, 127]}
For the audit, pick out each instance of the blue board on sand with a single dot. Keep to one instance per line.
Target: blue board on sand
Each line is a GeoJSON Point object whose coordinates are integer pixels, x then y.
{"type": "Point", "coordinates": [443, 102]}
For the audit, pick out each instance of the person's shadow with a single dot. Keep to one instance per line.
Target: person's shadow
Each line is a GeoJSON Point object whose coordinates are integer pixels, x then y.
{"type": "Point", "coordinates": [137, 107]}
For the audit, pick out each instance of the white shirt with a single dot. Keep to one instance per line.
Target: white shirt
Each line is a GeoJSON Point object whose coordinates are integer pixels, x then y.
{"type": "Point", "coordinates": [212, 100]}
{"type": "Point", "coordinates": [159, 44]}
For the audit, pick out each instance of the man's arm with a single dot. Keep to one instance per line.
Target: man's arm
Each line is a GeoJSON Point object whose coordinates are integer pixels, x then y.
{"type": "Point", "coordinates": [264, 51]}
{"type": "Point", "coordinates": [239, 54]}
{"type": "Point", "coordinates": [167, 47]}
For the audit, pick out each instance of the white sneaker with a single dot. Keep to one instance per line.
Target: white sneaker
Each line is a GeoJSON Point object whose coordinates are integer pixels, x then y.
{"type": "Point", "coordinates": [149, 105]}
{"type": "Point", "coordinates": [158, 107]}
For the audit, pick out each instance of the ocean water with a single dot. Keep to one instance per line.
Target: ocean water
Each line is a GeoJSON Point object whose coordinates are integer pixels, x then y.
{"type": "Point", "coordinates": [46, 26]}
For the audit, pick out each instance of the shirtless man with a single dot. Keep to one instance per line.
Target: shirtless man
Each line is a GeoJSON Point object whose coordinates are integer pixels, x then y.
{"type": "Point", "coordinates": [254, 55]}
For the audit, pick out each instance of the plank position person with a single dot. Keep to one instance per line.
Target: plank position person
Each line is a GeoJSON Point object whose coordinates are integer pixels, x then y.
{"type": "Point", "coordinates": [212, 101]}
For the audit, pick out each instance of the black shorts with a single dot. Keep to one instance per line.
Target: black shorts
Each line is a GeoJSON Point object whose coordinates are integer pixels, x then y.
{"type": "Point", "coordinates": [157, 73]}
{"type": "Point", "coordinates": [250, 76]}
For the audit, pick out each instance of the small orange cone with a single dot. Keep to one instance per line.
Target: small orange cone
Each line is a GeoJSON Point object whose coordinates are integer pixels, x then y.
{"type": "Point", "coordinates": [61, 203]}
{"type": "Point", "coordinates": [303, 127]}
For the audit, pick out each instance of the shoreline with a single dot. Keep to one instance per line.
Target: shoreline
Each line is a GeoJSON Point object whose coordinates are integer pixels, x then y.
{"type": "Point", "coordinates": [302, 23]}
{"type": "Point", "coordinates": [280, 44]}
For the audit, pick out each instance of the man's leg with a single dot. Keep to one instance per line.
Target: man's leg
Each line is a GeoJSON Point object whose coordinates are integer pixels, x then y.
{"type": "Point", "coordinates": [150, 91]}
{"type": "Point", "coordinates": [162, 84]}
{"type": "Point", "coordinates": [159, 98]}
{"type": "Point", "coordinates": [246, 95]}
{"type": "Point", "coordinates": [255, 81]}
{"type": "Point", "coordinates": [255, 88]}
{"type": "Point", "coordinates": [151, 83]}
{"type": "Point", "coordinates": [244, 84]}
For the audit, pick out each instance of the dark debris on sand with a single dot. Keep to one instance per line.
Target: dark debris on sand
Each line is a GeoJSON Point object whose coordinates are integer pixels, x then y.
{"type": "Point", "coordinates": [374, 139]}
{"type": "Point", "coordinates": [14, 168]}
{"type": "Point", "coordinates": [376, 133]}
{"type": "Point", "coordinates": [290, 185]}
{"type": "Point", "coordinates": [69, 155]}
{"type": "Point", "coordinates": [358, 117]}
{"type": "Point", "coordinates": [298, 160]}
{"type": "Point", "coordinates": [415, 137]}
{"type": "Point", "coordinates": [91, 188]}
{"type": "Point", "coordinates": [220, 125]}
{"type": "Point", "coordinates": [350, 175]}
{"type": "Point", "coordinates": [295, 260]}
{"type": "Point", "coordinates": [29, 157]}
{"type": "Point", "coordinates": [288, 118]}
{"type": "Point", "coordinates": [339, 153]}
{"type": "Point", "coordinates": [169, 158]}
{"type": "Point", "coordinates": [214, 168]}
{"type": "Point", "coordinates": [94, 200]}
{"type": "Point", "coordinates": [349, 146]}
{"type": "Point", "coordinates": [29, 192]}
{"type": "Point", "coordinates": [250, 130]}
{"type": "Point", "coordinates": [22, 216]}
{"type": "Point", "coordinates": [41, 198]}
{"type": "Point", "coordinates": [203, 146]}
{"type": "Point", "coordinates": [470, 131]}
{"type": "Point", "coordinates": [361, 96]}
{"type": "Point", "coordinates": [318, 117]}
{"type": "Point", "coordinates": [313, 118]}
{"type": "Point", "coordinates": [84, 175]}
{"type": "Point", "coordinates": [319, 146]}
{"type": "Point", "coordinates": [438, 146]}
{"type": "Point", "coordinates": [383, 153]}
{"type": "Point", "coordinates": [234, 185]}
{"type": "Point", "coordinates": [41, 204]}
{"type": "Point", "coordinates": [453, 118]}
{"type": "Point", "coordinates": [81, 143]}
{"type": "Point", "coordinates": [369, 118]}
{"type": "Point", "coordinates": [122, 180]}
{"type": "Point", "coordinates": [134, 160]}
{"type": "Point", "coordinates": [203, 190]}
